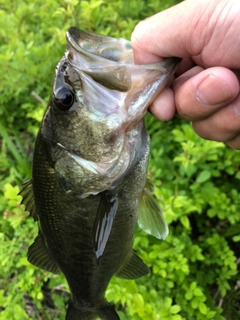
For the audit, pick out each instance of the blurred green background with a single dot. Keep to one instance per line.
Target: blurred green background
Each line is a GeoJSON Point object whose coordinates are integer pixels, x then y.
{"type": "Point", "coordinates": [195, 270]}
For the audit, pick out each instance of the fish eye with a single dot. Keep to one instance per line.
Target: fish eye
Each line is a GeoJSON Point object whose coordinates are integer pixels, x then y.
{"type": "Point", "coordinates": [64, 98]}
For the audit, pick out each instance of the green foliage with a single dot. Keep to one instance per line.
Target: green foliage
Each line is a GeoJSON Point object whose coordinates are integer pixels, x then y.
{"type": "Point", "coordinates": [194, 271]}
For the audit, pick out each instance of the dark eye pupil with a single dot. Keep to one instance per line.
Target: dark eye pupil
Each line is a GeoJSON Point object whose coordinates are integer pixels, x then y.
{"type": "Point", "coordinates": [64, 99]}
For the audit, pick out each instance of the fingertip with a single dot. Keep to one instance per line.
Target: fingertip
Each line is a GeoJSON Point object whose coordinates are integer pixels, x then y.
{"type": "Point", "coordinates": [222, 125]}
{"type": "Point", "coordinates": [234, 143]}
{"type": "Point", "coordinates": [163, 107]}
{"type": "Point", "coordinates": [218, 87]}
{"type": "Point", "coordinates": [200, 93]}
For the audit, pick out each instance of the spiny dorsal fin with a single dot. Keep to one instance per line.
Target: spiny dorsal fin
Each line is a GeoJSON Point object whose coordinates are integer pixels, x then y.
{"type": "Point", "coordinates": [103, 222]}
{"type": "Point", "coordinates": [28, 198]}
{"type": "Point", "coordinates": [39, 256]}
{"type": "Point", "coordinates": [134, 268]}
{"type": "Point", "coordinates": [150, 217]}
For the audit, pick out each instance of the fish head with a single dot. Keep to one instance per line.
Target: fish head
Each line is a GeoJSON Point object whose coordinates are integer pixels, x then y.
{"type": "Point", "coordinates": [99, 100]}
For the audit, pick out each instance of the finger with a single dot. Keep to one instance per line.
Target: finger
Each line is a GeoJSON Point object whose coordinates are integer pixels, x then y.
{"type": "Point", "coordinates": [163, 107]}
{"type": "Point", "coordinates": [185, 65]}
{"type": "Point", "coordinates": [223, 125]}
{"type": "Point", "coordinates": [234, 143]}
{"type": "Point", "coordinates": [199, 93]}
{"type": "Point", "coordinates": [200, 29]}
{"type": "Point", "coordinates": [167, 33]}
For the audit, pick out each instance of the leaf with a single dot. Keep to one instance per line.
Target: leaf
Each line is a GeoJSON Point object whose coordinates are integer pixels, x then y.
{"type": "Point", "coordinates": [188, 295]}
{"type": "Point", "coordinates": [167, 302]}
{"type": "Point", "coordinates": [236, 238]}
{"type": "Point", "coordinates": [212, 314]}
{"type": "Point", "coordinates": [193, 285]}
{"type": "Point", "coordinates": [194, 303]}
{"type": "Point", "coordinates": [203, 176]}
{"type": "Point", "coordinates": [197, 292]}
{"type": "Point", "coordinates": [176, 317]}
{"type": "Point", "coordinates": [237, 175]}
{"type": "Point", "coordinates": [175, 309]}
{"type": "Point", "coordinates": [185, 268]}
{"type": "Point", "coordinates": [138, 299]}
{"type": "Point", "coordinates": [185, 222]}
{"type": "Point", "coordinates": [202, 307]}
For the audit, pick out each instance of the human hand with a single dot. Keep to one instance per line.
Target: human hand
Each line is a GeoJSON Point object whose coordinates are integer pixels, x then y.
{"type": "Point", "coordinates": [206, 89]}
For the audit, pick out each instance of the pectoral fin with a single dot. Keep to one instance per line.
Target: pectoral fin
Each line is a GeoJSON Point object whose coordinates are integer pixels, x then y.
{"type": "Point", "coordinates": [103, 222]}
{"type": "Point", "coordinates": [134, 268]}
{"type": "Point", "coordinates": [150, 217]}
{"type": "Point", "coordinates": [39, 256]}
{"type": "Point", "coordinates": [28, 198]}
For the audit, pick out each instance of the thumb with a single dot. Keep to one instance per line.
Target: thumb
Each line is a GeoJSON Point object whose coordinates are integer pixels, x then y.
{"type": "Point", "coordinates": [200, 93]}
{"type": "Point", "coordinates": [170, 32]}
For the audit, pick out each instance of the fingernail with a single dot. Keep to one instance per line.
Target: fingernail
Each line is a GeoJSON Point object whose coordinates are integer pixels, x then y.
{"type": "Point", "coordinates": [212, 91]}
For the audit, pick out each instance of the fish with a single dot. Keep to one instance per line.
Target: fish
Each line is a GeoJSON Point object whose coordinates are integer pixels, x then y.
{"type": "Point", "coordinates": [89, 185]}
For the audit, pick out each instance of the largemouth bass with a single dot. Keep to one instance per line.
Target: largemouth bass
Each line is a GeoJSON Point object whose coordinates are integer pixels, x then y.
{"type": "Point", "coordinates": [89, 186]}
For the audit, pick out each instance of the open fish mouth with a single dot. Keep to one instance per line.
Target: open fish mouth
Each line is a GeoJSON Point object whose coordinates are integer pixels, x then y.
{"type": "Point", "coordinates": [103, 60]}
{"type": "Point", "coordinates": [110, 61]}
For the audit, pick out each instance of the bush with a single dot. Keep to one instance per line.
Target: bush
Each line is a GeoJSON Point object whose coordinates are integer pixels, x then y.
{"type": "Point", "coordinates": [194, 271]}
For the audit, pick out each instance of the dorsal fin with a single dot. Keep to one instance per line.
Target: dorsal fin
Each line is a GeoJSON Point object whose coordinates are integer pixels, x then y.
{"type": "Point", "coordinates": [39, 256]}
{"type": "Point", "coordinates": [28, 198]}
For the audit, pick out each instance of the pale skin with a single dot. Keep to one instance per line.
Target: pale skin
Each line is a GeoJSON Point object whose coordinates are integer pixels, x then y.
{"type": "Point", "coordinates": [206, 34]}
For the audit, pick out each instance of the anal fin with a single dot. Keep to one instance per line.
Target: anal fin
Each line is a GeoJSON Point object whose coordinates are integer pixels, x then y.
{"type": "Point", "coordinates": [39, 256]}
{"type": "Point", "coordinates": [134, 268]}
